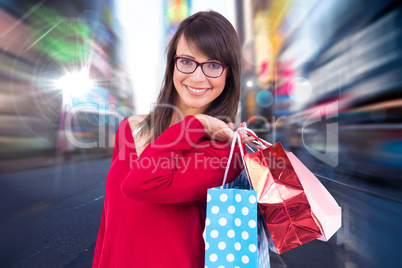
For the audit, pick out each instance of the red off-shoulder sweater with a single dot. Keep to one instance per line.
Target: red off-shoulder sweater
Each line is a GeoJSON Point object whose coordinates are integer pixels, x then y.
{"type": "Point", "coordinates": [154, 208]}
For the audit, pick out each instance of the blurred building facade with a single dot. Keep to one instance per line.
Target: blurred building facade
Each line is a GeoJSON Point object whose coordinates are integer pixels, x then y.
{"type": "Point", "coordinates": [60, 72]}
{"type": "Point", "coordinates": [323, 78]}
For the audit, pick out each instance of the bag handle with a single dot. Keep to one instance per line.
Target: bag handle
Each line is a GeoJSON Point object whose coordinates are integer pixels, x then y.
{"type": "Point", "coordinates": [252, 133]}
{"type": "Point", "coordinates": [237, 137]}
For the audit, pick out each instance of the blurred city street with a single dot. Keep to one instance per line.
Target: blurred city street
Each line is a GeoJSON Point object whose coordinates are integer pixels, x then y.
{"type": "Point", "coordinates": [51, 215]}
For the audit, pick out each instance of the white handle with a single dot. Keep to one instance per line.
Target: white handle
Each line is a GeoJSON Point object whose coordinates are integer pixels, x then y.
{"type": "Point", "coordinates": [236, 136]}
{"type": "Point", "coordinates": [255, 135]}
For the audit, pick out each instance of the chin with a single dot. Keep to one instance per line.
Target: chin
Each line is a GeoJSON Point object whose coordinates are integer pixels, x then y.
{"type": "Point", "coordinates": [197, 106]}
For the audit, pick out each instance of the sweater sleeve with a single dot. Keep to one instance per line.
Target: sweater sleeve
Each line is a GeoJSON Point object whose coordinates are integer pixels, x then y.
{"type": "Point", "coordinates": [101, 232]}
{"type": "Point", "coordinates": [179, 166]}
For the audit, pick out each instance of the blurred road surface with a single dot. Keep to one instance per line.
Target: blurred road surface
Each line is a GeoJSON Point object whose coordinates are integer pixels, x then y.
{"type": "Point", "coordinates": [50, 218]}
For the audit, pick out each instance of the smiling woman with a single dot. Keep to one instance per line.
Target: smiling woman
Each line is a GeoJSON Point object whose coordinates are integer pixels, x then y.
{"type": "Point", "coordinates": [203, 37]}
{"type": "Point", "coordinates": [154, 210]}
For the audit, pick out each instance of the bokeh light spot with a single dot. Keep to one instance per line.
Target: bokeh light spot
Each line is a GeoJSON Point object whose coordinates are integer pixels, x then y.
{"type": "Point", "coordinates": [264, 98]}
{"type": "Point", "coordinates": [299, 89]}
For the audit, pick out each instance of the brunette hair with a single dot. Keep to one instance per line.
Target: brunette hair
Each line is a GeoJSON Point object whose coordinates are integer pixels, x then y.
{"type": "Point", "coordinates": [213, 35]}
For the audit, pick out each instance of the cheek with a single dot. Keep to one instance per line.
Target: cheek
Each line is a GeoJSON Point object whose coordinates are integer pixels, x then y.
{"type": "Point", "coordinates": [177, 78]}
{"type": "Point", "coordinates": [176, 81]}
{"type": "Point", "coordinates": [221, 83]}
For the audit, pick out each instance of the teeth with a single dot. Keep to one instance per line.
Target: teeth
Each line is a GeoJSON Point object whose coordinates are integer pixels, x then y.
{"type": "Point", "coordinates": [196, 90]}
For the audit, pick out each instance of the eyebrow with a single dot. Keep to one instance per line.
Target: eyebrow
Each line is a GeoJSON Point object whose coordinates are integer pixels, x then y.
{"type": "Point", "coordinates": [191, 57]}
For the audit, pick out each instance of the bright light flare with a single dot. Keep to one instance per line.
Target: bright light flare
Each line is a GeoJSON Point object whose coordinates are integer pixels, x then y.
{"type": "Point", "coordinates": [75, 84]}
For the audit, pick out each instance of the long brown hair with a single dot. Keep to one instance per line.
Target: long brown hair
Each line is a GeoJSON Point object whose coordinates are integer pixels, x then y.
{"type": "Point", "coordinates": [213, 35]}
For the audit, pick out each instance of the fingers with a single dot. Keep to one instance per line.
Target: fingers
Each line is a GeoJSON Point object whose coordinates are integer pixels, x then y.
{"type": "Point", "coordinates": [220, 130]}
{"type": "Point", "coordinates": [244, 137]}
{"type": "Point", "coordinates": [242, 125]}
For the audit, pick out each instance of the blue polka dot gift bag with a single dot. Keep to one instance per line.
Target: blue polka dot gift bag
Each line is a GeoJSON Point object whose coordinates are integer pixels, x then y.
{"type": "Point", "coordinates": [231, 234]}
{"type": "Point", "coordinates": [263, 235]}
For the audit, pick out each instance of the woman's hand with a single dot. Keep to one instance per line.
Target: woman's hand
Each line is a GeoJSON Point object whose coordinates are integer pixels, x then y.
{"type": "Point", "coordinates": [217, 129]}
{"type": "Point", "coordinates": [244, 137]}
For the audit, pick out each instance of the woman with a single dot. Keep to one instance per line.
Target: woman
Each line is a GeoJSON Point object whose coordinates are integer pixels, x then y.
{"type": "Point", "coordinates": [154, 210]}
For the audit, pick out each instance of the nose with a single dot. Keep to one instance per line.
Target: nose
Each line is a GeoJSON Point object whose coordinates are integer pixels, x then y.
{"type": "Point", "coordinates": [198, 75]}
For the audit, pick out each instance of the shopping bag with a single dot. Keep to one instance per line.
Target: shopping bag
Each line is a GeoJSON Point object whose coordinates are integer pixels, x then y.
{"type": "Point", "coordinates": [323, 205]}
{"type": "Point", "coordinates": [293, 215]}
{"type": "Point", "coordinates": [263, 243]}
{"type": "Point", "coordinates": [263, 260]}
{"type": "Point", "coordinates": [231, 226]}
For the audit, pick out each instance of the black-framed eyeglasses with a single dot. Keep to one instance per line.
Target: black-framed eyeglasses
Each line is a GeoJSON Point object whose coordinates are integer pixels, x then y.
{"type": "Point", "coordinates": [211, 69]}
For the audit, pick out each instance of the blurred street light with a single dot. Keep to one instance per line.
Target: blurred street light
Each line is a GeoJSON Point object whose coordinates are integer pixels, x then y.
{"type": "Point", "coordinates": [75, 84]}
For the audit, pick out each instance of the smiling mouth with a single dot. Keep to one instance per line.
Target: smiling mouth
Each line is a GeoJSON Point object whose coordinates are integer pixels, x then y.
{"type": "Point", "coordinates": [196, 90]}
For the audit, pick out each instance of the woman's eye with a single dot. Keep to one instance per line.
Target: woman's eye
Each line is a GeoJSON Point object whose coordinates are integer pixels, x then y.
{"type": "Point", "coordinates": [214, 65]}
{"type": "Point", "coordinates": [186, 62]}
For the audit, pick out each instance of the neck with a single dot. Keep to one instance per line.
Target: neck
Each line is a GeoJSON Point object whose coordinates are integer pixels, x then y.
{"type": "Point", "coordinates": [182, 111]}
{"type": "Point", "coordinates": [180, 114]}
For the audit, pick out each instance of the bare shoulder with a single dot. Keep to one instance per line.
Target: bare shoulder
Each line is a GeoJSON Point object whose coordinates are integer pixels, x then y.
{"type": "Point", "coordinates": [135, 120]}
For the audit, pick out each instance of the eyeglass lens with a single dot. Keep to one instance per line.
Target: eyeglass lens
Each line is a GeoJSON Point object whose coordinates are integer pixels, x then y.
{"type": "Point", "coordinates": [212, 69]}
